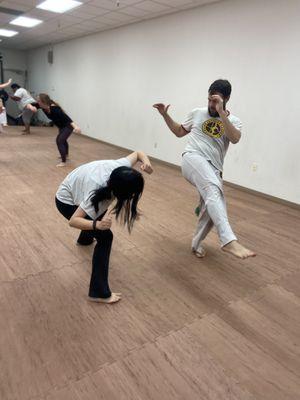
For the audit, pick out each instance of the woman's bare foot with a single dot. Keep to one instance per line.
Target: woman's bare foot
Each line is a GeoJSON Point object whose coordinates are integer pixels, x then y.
{"type": "Point", "coordinates": [115, 297]}
{"type": "Point", "coordinates": [200, 252]}
{"type": "Point", "coordinates": [239, 251]}
{"type": "Point", "coordinates": [61, 164]}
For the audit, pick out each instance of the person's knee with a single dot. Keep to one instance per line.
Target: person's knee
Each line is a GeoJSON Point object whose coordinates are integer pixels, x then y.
{"type": "Point", "coordinates": [212, 193]}
{"type": "Point", "coordinates": [59, 141]}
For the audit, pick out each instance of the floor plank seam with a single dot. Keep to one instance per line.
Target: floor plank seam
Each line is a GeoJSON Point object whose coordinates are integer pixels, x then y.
{"type": "Point", "coordinates": [34, 275]}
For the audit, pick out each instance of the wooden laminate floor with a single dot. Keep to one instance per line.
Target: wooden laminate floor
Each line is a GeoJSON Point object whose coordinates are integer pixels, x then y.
{"type": "Point", "coordinates": [211, 329]}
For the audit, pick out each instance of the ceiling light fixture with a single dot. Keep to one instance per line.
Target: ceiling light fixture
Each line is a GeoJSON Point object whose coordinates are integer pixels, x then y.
{"type": "Point", "coordinates": [59, 6]}
{"type": "Point", "coordinates": [7, 33]}
{"type": "Point", "coordinates": [26, 21]}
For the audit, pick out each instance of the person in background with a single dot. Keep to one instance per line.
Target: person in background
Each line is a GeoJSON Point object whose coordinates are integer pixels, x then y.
{"type": "Point", "coordinates": [64, 123]}
{"type": "Point", "coordinates": [23, 98]}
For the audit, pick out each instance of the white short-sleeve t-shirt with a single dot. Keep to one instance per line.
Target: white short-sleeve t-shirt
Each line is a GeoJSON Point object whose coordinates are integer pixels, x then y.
{"type": "Point", "coordinates": [78, 186]}
{"type": "Point", "coordinates": [25, 98]}
{"type": "Point", "coordinates": [206, 135]}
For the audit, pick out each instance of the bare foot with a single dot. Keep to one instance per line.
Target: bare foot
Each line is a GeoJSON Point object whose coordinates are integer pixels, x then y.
{"type": "Point", "coordinates": [61, 164]}
{"type": "Point", "coordinates": [25, 133]}
{"type": "Point", "coordinates": [239, 251]}
{"type": "Point", "coordinates": [200, 252]}
{"type": "Point", "coordinates": [115, 297]}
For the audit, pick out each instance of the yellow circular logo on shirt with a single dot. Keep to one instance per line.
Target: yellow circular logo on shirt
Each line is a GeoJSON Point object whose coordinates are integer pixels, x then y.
{"type": "Point", "coordinates": [213, 127]}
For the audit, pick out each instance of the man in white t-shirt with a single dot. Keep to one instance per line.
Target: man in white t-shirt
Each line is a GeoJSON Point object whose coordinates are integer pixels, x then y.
{"type": "Point", "coordinates": [211, 129]}
{"type": "Point", "coordinates": [23, 98]}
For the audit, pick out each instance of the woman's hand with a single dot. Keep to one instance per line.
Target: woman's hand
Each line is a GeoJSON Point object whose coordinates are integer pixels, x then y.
{"type": "Point", "coordinates": [104, 224]}
{"type": "Point", "coordinates": [147, 167]}
{"type": "Point", "coordinates": [77, 130]}
{"type": "Point", "coordinates": [143, 158]}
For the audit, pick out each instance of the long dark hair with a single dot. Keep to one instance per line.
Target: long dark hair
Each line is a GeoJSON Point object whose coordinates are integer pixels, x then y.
{"type": "Point", "coordinates": [46, 99]}
{"type": "Point", "coordinates": [126, 185]}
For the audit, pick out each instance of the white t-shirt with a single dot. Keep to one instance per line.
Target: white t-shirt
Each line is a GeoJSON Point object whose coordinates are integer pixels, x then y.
{"type": "Point", "coordinates": [78, 186]}
{"type": "Point", "coordinates": [206, 135]}
{"type": "Point", "coordinates": [25, 98]}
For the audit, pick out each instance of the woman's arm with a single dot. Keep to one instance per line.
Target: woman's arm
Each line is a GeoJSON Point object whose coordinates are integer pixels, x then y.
{"type": "Point", "coordinates": [78, 221]}
{"type": "Point", "coordinates": [75, 127]}
{"type": "Point", "coordinates": [58, 114]}
{"type": "Point", "coordinates": [4, 85]}
{"type": "Point", "coordinates": [143, 158]}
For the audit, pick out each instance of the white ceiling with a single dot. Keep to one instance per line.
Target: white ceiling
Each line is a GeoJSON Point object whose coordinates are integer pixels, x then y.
{"type": "Point", "coordinates": [92, 16]}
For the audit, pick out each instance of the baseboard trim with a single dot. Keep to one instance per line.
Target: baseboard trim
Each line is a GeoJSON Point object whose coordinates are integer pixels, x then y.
{"type": "Point", "coordinates": [263, 195]}
{"type": "Point", "coordinates": [226, 183]}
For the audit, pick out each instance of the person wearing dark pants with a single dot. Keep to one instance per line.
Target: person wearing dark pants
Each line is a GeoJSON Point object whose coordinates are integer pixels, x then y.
{"type": "Point", "coordinates": [65, 125]}
{"type": "Point", "coordinates": [85, 198]}
{"type": "Point", "coordinates": [99, 286]}
{"type": "Point", "coordinates": [61, 142]}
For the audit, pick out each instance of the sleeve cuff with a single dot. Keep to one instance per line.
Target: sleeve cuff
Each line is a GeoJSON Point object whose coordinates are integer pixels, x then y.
{"type": "Point", "coordinates": [185, 129]}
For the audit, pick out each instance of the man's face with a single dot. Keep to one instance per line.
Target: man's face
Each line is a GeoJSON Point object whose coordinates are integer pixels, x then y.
{"type": "Point", "coordinates": [212, 104]}
{"type": "Point", "coordinates": [14, 90]}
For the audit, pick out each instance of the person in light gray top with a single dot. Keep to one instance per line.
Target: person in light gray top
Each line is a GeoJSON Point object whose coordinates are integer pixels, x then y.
{"type": "Point", "coordinates": [210, 130]}
{"type": "Point", "coordinates": [23, 98]}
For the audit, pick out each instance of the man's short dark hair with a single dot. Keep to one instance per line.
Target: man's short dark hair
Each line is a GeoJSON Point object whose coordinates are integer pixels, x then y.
{"type": "Point", "coordinates": [15, 86]}
{"type": "Point", "coordinates": [220, 86]}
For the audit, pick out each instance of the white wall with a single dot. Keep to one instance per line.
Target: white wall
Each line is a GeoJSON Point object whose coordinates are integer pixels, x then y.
{"type": "Point", "coordinates": [13, 60]}
{"type": "Point", "coordinates": [14, 66]}
{"type": "Point", "coordinates": [109, 81]}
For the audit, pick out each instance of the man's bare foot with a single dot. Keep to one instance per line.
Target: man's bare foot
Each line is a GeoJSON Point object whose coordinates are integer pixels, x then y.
{"type": "Point", "coordinates": [239, 251]}
{"type": "Point", "coordinates": [200, 252]}
{"type": "Point", "coordinates": [61, 164]}
{"type": "Point", "coordinates": [25, 133]}
{"type": "Point", "coordinates": [114, 298]}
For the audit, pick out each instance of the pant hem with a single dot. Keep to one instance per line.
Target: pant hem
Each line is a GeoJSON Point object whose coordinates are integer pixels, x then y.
{"type": "Point", "coordinates": [97, 296]}
{"type": "Point", "coordinates": [229, 241]}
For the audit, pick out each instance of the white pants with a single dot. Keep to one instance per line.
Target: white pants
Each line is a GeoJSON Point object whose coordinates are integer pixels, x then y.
{"type": "Point", "coordinates": [207, 179]}
{"type": "Point", "coordinates": [3, 119]}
